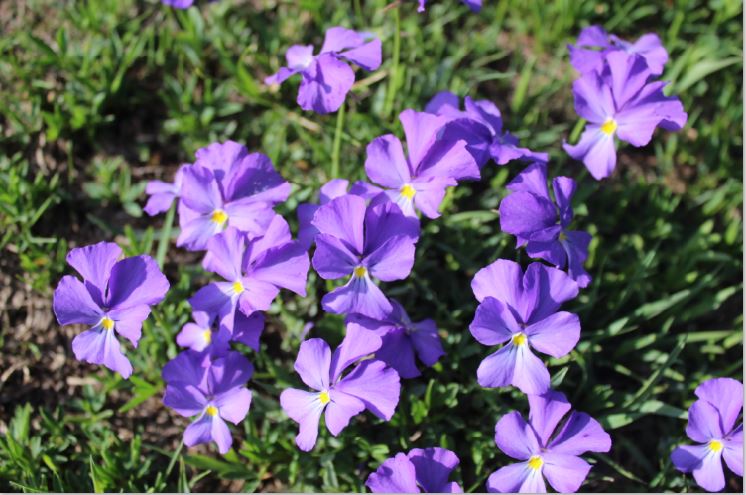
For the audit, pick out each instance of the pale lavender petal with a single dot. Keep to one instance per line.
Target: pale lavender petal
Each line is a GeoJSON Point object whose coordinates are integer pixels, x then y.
{"type": "Point", "coordinates": [704, 422]}
{"type": "Point", "coordinates": [532, 179]}
{"type": "Point", "coordinates": [433, 466]}
{"type": "Point", "coordinates": [580, 434]}
{"type": "Point", "coordinates": [376, 385]}
{"type": "Point", "coordinates": [304, 408]}
{"type": "Point", "coordinates": [421, 130]}
{"type": "Point", "coordinates": [225, 253]}
{"type": "Point", "coordinates": [200, 431]}
{"type": "Point", "coordinates": [200, 190]}
{"type": "Point", "coordinates": [234, 404]}
{"type": "Point", "coordinates": [596, 150]}
{"type": "Point", "coordinates": [185, 399]}
{"type": "Point", "coordinates": [393, 260]}
{"type": "Point", "coordinates": [501, 279]}
{"type": "Point", "coordinates": [313, 362]}
{"type": "Point", "coordinates": [395, 475]}
{"type": "Point", "coordinates": [332, 258]}
{"type": "Point", "coordinates": [101, 347]}
{"type": "Point", "coordinates": [135, 281]}
{"type": "Point", "coordinates": [249, 215]}
{"type": "Point", "coordinates": [498, 369]}
{"type": "Point", "coordinates": [325, 84]}
{"type": "Point", "coordinates": [705, 464]}
{"type": "Point", "coordinates": [430, 193]}
{"type": "Point", "coordinates": [515, 437]}
{"type": "Point", "coordinates": [194, 337]}
{"type": "Point", "coordinates": [733, 452]}
{"type": "Point", "coordinates": [531, 375]}
{"type": "Point", "coordinates": [593, 98]}
{"type": "Point", "coordinates": [187, 368]}
{"type": "Point", "coordinates": [385, 163]}
{"type": "Point", "coordinates": [343, 218]}
{"type": "Point", "coordinates": [299, 56]}
{"type": "Point", "coordinates": [556, 334]}
{"type": "Point", "coordinates": [128, 322]}
{"type": "Point", "coordinates": [726, 394]}
{"type": "Point", "coordinates": [221, 434]}
{"type": "Point", "coordinates": [94, 264]}
{"type": "Point", "coordinates": [196, 232]}
{"type": "Point", "coordinates": [338, 38]}
{"type": "Point", "coordinates": [367, 56]}
{"type": "Point", "coordinates": [628, 74]}
{"type": "Point", "coordinates": [546, 411]}
{"type": "Point", "coordinates": [340, 410]}
{"type": "Point", "coordinates": [382, 222]}
{"type": "Point", "coordinates": [546, 288]}
{"type": "Point", "coordinates": [252, 175]}
{"type": "Point", "coordinates": [516, 478]}
{"type": "Point", "coordinates": [359, 295]}
{"type": "Point", "coordinates": [333, 189]}
{"type": "Point", "coordinates": [650, 46]}
{"type": "Point", "coordinates": [358, 343]}
{"type": "Point", "coordinates": [444, 103]}
{"type": "Point", "coordinates": [220, 157]}
{"type": "Point", "coordinates": [285, 267]}
{"type": "Point", "coordinates": [493, 323]}
{"type": "Point", "coordinates": [564, 472]}
{"type": "Point", "coordinates": [73, 303]}
{"type": "Point", "coordinates": [448, 159]}
{"type": "Point", "coordinates": [228, 372]}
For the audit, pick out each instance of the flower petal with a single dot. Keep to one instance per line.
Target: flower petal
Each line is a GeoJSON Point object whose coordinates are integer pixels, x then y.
{"type": "Point", "coordinates": [395, 475]}
{"type": "Point", "coordinates": [493, 323]}
{"type": "Point", "coordinates": [385, 163]}
{"type": "Point", "coordinates": [546, 411]}
{"type": "Point", "coordinates": [101, 347]}
{"type": "Point", "coordinates": [596, 150]}
{"type": "Point", "coordinates": [73, 303]}
{"type": "Point", "coordinates": [313, 363]}
{"type": "Point", "coordinates": [94, 264]}
{"type": "Point", "coordinates": [332, 258]}
{"type": "Point", "coordinates": [359, 295]}
{"type": "Point", "coordinates": [515, 437]}
{"type": "Point", "coordinates": [343, 218]}
{"type": "Point", "coordinates": [564, 472]}
{"type": "Point", "coordinates": [726, 395]}
{"type": "Point", "coordinates": [376, 385]}
{"type": "Point", "coordinates": [305, 409]}
{"type": "Point", "coordinates": [555, 335]}
{"type": "Point", "coordinates": [516, 478]}
{"type": "Point", "coordinates": [136, 281]}
{"type": "Point", "coordinates": [433, 466]}
{"type": "Point", "coordinates": [580, 434]}
{"type": "Point", "coordinates": [358, 343]}
{"type": "Point", "coordinates": [325, 84]}
{"type": "Point", "coordinates": [234, 404]}
{"type": "Point", "coordinates": [340, 410]}
{"type": "Point", "coordinates": [704, 422]}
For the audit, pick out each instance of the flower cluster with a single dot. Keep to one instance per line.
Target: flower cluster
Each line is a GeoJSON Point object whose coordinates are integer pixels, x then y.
{"type": "Point", "coordinates": [619, 97]}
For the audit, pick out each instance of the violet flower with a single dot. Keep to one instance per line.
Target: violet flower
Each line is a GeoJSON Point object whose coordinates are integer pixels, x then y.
{"type": "Point", "coordinates": [481, 126]}
{"type": "Point", "coordinates": [402, 338]}
{"type": "Point", "coordinates": [433, 164]}
{"type": "Point", "coordinates": [594, 44]}
{"type": "Point", "coordinates": [712, 425]}
{"type": "Point", "coordinates": [362, 242]}
{"type": "Point", "coordinates": [204, 334]}
{"type": "Point", "coordinates": [530, 214]}
{"type": "Point", "coordinates": [227, 186]}
{"type": "Point", "coordinates": [522, 311]}
{"type": "Point", "coordinates": [543, 453]}
{"type": "Point", "coordinates": [474, 5]}
{"type": "Point", "coordinates": [212, 391]}
{"type": "Point", "coordinates": [422, 470]}
{"type": "Point", "coordinates": [253, 271]}
{"type": "Point", "coordinates": [113, 299]}
{"type": "Point", "coordinates": [163, 194]}
{"type": "Point", "coordinates": [620, 102]}
{"type": "Point", "coordinates": [370, 385]}
{"type": "Point", "coordinates": [326, 78]}
{"type": "Point", "coordinates": [178, 4]}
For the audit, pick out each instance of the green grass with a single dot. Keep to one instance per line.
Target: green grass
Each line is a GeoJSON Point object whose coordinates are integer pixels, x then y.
{"type": "Point", "coordinates": [100, 96]}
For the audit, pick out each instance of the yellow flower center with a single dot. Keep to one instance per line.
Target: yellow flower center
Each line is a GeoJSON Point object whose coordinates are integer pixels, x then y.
{"type": "Point", "coordinates": [359, 271]}
{"type": "Point", "coordinates": [107, 323]}
{"type": "Point", "coordinates": [715, 446]}
{"type": "Point", "coordinates": [211, 411]}
{"type": "Point", "coordinates": [519, 338]}
{"type": "Point", "coordinates": [609, 126]}
{"type": "Point", "coordinates": [324, 397]}
{"type": "Point", "coordinates": [238, 287]}
{"type": "Point", "coordinates": [207, 335]}
{"type": "Point", "coordinates": [219, 217]}
{"type": "Point", "coordinates": [407, 191]}
{"type": "Point", "coordinates": [535, 462]}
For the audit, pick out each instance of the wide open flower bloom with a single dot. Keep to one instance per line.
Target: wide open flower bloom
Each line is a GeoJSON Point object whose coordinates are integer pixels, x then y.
{"type": "Point", "coordinates": [326, 77]}
{"type": "Point", "coordinates": [433, 164]}
{"type": "Point", "coordinates": [522, 311]}
{"type": "Point", "coordinates": [402, 338]}
{"type": "Point", "coordinates": [543, 453]}
{"type": "Point", "coordinates": [481, 126]}
{"type": "Point", "coordinates": [474, 5]}
{"type": "Point", "coordinates": [212, 391]}
{"type": "Point", "coordinates": [712, 424]}
{"type": "Point", "coordinates": [420, 471]}
{"type": "Point", "coordinates": [594, 44]}
{"type": "Point", "coordinates": [253, 271]}
{"type": "Point", "coordinates": [227, 186]}
{"type": "Point", "coordinates": [163, 194]}
{"type": "Point", "coordinates": [114, 298]}
{"type": "Point", "coordinates": [530, 214]}
{"type": "Point", "coordinates": [370, 385]}
{"type": "Point", "coordinates": [622, 103]}
{"type": "Point", "coordinates": [362, 242]}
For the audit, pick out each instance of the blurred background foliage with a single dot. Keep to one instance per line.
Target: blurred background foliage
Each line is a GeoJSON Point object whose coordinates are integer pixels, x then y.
{"type": "Point", "coordinates": [100, 96]}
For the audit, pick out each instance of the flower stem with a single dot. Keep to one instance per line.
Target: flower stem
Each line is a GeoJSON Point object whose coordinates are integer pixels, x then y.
{"type": "Point", "coordinates": [165, 239]}
{"type": "Point", "coordinates": [336, 147]}
{"type": "Point", "coordinates": [394, 74]}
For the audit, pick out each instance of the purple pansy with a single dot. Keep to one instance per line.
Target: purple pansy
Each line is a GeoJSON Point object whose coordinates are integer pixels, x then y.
{"type": "Point", "coordinates": [326, 78]}
{"type": "Point", "coordinates": [370, 385]}
{"type": "Point", "coordinates": [227, 186]}
{"type": "Point", "coordinates": [420, 471]}
{"type": "Point", "coordinates": [402, 338]}
{"type": "Point", "coordinates": [362, 242]}
{"type": "Point", "coordinates": [163, 194]}
{"type": "Point", "coordinates": [178, 4]}
{"type": "Point", "coordinates": [594, 44]}
{"type": "Point", "coordinates": [530, 214]}
{"type": "Point", "coordinates": [210, 390]}
{"type": "Point", "coordinates": [522, 311]}
{"type": "Point", "coordinates": [114, 298]}
{"type": "Point", "coordinates": [481, 126]}
{"type": "Point", "coordinates": [545, 454]}
{"type": "Point", "coordinates": [253, 271]}
{"type": "Point", "coordinates": [204, 334]}
{"type": "Point", "coordinates": [474, 5]}
{"type": "Point", "coordinates": [712, 425]}
{"type": "Point", "coordinates": [620, 102]}
{"type": "Point", "coordinates": [419, 179]}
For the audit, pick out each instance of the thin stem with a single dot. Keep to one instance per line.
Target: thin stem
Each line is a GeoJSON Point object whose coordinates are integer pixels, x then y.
{"type": "Point", "coordinates": [336, 147]}
{"type": "Point", "coordinates": [394, 74]}
{"type": "Point", "coordinates": [165, 239]}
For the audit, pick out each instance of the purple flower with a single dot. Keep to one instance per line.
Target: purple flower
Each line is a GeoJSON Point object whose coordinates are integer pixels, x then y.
{"type": "Point", "coordinates": [163, 194]}
{"type": "Point", "coordinates": [620, 102]}
{"type": "Point", "coordinates": [370, 385]}
{"type": "Point", "coordinates": [481, 126]}
{"type": "Point", "coordinates": [594, 44]}
{"type": "Point", "coordinates": [530, 214]}
{"type": "Point", "coordinates": [545, 454]}
{"type": "Point", "coordinates": [362, 242]}
{"type": "Point", "coordinates": [402, 338]}
{"type": "Point", "coordinates": [712, 424]}
{"type": "Point", "coordinates": [329, 191]}
{"type": "Point", "coordinates": [178, 4]}
{"type": "Point", "coordinates": [422, 470]}
{"type": "Point", "coordinates": [326, 77]}
{"type": "Point", "coordinates": [522, 311]}
{"type": "Point", "coordinates": [432, 165]}
{"type": "Point", "coordinates": [114, 298]}
{"type": "Point", "coordinates": [212, 391]}
{"type": "Point", "coordinates": [203, 334]}
{"type": "Point", "coordinates": [227, 186]}
{"type": "Point", "coordinates": [253, 271]}
{"type": "Point", "coordinates": [474, 5]}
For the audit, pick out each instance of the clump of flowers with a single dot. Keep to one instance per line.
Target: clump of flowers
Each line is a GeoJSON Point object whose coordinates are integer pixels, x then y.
{"type": "Point", "coordinates": [712, 425]}
{"type": "Point", "coordinates": [419, 471]}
